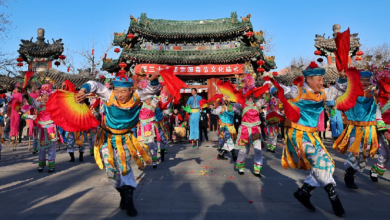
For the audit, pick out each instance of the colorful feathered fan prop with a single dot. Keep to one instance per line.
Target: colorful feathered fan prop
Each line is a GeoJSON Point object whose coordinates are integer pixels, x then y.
{"type": "Point", "coordinates": [27, 77]}
{"type": "Point", "coordinates": [230, 93]}
{"type": "Point", "coordinates": [274, 117]}
{"type": "Point", "coordinates": [354, 89]}
{"type": "Point", "coordinates": [384, 90]}
{"type": "Point", "coordinates": [257, 92]}
{"type": "Point", "coordinates": [68, 114]}
{"type": "Point", "coordinates": [292, 111]}
{"type": "Point", "coordinates": [299, 81]}
{"type": "Point", "coordinates": [205, 103]}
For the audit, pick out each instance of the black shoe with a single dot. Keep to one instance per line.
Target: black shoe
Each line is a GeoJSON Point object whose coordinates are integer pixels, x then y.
{"type": "Point", "coordinates": [162, 157]}
{"type": "Point", "coordinates": [40, 169]}
{"type": "Point", "coordinates": [234, 156]}
{"type": "Point", "coordinates": [349, 178]}
{"type": "Point", "coordinates": [122, 204]}
{"type": "Point", "coordinates": [373, 176]}
{"type": "Point", "coordinates": [154, 165]}
{"type": "Point", "coordinates": [273, 151]}
{"type": "Point", "coordinates": [221, 155]}
{"type": "Point", "coordinates": [71, 157]}
{"type": "Point", "coordinates": [335, 201]}
{"type": "Point", "coordinates": [257, 175]}
{"type": "Point", "coordinates": [51, 170]}
{"type": "Point", "coordinates": [128, 192]}
{"type": "Point", "coordinates": [81, 157]}
{"type": "Point", "coordinates": [303, 195]}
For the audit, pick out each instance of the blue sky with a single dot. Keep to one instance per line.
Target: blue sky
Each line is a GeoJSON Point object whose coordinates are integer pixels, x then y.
{"type": "Point", "coordinates": [293, 24]}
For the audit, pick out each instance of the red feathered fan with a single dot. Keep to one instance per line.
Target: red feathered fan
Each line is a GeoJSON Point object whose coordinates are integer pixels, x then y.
{"type": "Point", "coordinates": [68, 114]}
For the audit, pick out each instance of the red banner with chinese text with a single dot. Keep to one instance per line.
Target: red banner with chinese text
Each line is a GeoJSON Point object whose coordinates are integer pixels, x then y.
{"type": "Point", "coordinates": [209, 69]}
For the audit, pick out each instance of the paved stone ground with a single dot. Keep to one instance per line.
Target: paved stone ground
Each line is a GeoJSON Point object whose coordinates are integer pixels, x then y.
{"type": "Point", "coordinates": [190, 184]}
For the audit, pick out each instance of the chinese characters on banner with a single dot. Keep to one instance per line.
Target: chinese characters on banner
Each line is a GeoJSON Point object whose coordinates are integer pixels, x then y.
{"type": "Point", "coordinates": [208, 69]}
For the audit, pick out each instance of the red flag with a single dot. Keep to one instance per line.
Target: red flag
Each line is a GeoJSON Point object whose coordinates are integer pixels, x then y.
{"type": "Point", "coordinates": [173, 83]}
{"type": "Point", "coordinates": [27, 77]}
{"type": "Point", "coordinates": [93, 51]}
{"type": "Point", "coordinates": [342, 50]}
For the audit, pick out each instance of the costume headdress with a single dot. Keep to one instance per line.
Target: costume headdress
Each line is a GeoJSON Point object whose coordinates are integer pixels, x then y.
{"type": "Point", "coordinates": [313, 70]}
{"type": "Point", "coordinates": [46, 89]}
{"type": "Point", "coordinates": [365, 74]}
{"type": "Point", "coordinates": [121, 81]}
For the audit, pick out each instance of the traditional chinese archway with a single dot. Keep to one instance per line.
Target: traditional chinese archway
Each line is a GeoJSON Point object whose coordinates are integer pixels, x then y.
{"type": "Point", "coordinates": [202, 51]}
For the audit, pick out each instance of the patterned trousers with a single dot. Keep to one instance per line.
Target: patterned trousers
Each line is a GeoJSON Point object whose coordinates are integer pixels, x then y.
{"type": "Point", "coordinates": [380, 165]}
{"type": "Point", "coordinates": [51, 154]}
{"type": "Point", "coordinates": [357, 162]}
{"type": "Point", "coordinates": [114, 174]}
{"type": "Point", "coordinates": [258, 157]}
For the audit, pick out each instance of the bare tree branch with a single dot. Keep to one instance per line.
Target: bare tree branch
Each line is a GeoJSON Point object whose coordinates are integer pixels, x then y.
{"type": "Point", "coordinates": [5, 22]}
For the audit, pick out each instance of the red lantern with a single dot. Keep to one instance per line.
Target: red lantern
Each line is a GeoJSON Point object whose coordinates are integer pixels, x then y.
{"type": "Point", "coordinates": [19, 64]}
{"type": "Point", "coordinates": [317, 52]}
{"type": "Point", "coordinates": [359, 53]}
{"type": "Point", "coordinates": [320, 60]}
{"type": "Point", "coordinates": [102, 77]}
{"type": "Point", "coordinates": [275, 73]}
{"type": "Point", "coordinates": [57, 63]}
{"type": "Point", "coordinates": [122, 72]}
{"type": "Point", "coordinates": [122, 65]}
{"type": "Point", "coordinates": [130, 36]}
{"type": "Point", "coordinates": [117, 50]}
{"type": "Point", "coordinates": [19, 59]}
{"type": "Point", "coordinates": [260, 70]}
{"type": "Point", "coordinates": [260, 62]}
{"type": "Point", "coordinates": [249, 34]}
{"type": "Point", "coordinates": [62, 57]}
{"type": "Point", "coordinates": [261, 47]}
{"type": "Point", "coordinates": [358, 58]}
{"type": "Point", "coordinates": [68, 69]}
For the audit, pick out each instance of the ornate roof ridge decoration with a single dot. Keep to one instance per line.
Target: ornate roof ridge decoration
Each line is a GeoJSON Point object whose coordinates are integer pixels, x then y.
{"type": "Point", "coordinates": [161, 28]}
{"type": "Point", "coordinates": [29, 50]}
{"type": "Point", "coordinates": [58, 77]}
{"type": "Point", "coordinates": [328, 45]}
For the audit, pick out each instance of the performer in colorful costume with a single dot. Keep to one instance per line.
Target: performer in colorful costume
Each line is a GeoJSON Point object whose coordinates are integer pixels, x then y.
{"type": "Point", "coordinates": [336, 120]}
{"type": "Point", "coordinates": [14, 111]}
{"type": "Point", "coordinates": [360, 135]}
{"type": "Point", "coordinates": [380, 165]}
{"type": "Point", "coordinates": [46, 134]}
{"type": "Point", "coordinates": [147, 130]}
{"type": "Point", "coordinates": [193, 102]}
{"type": "Point", "coordinates": [249, 134]}
{"type": "Point", "coordinates": [305, 104]}
{"type": "Point", "coordinates": [162, 130]}
{"type": "Point", "coordinates": [2, 100]}
{"type": "Point", "coordinates": [115, 144]}
{"type": "Point", "coordinates": [227, 133]}
{"type": "Point", "coordinates": [273, 118]}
